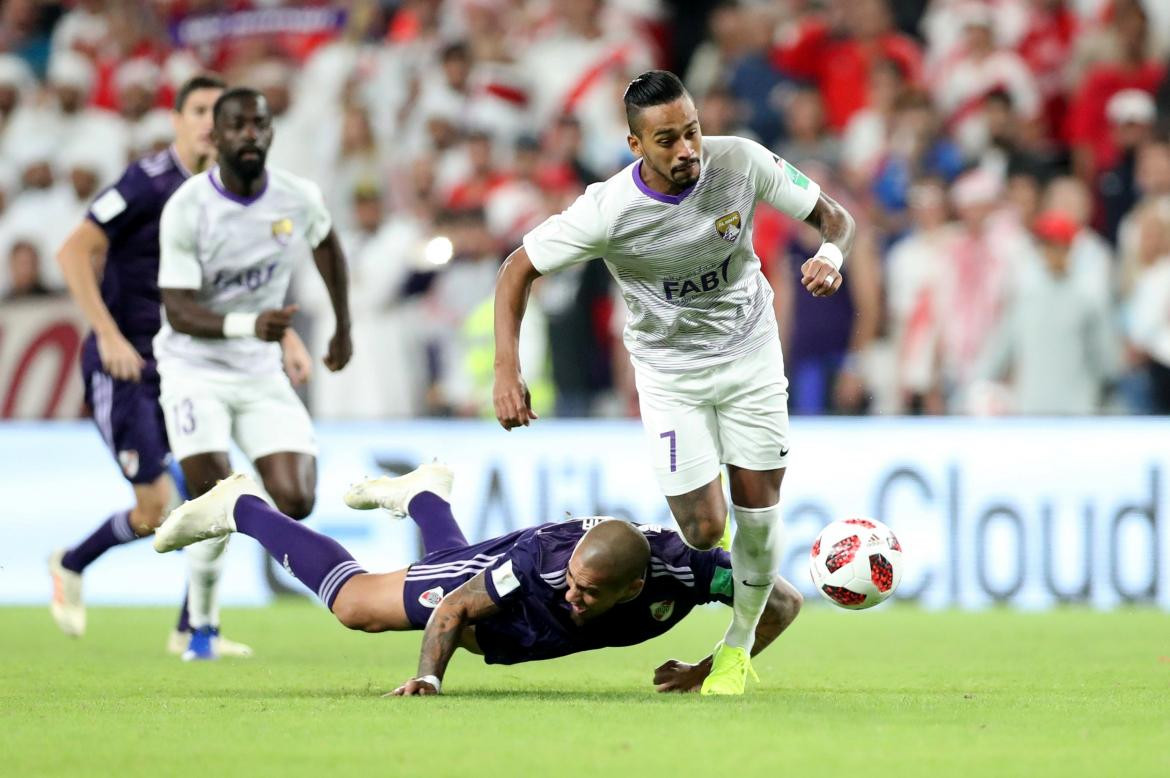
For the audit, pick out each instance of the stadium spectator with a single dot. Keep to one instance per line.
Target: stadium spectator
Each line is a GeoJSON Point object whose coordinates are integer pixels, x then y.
{"type": "Point", "coordinates": [836, 53]}
{"type": "Point", "coordinates": [1132, 66]}
{"type": "Point", "coordinates": [973, 280]}
{"type": "Point", "coordinates": [1055, 338]}
{"type": "Point", "coordinates": [1148, 322]}
{"type": "Point", "coordinates": [806, 139]}
{"type": "Point", "coordinates": [913, 274]}
{"type": "Point", "coordinates": [1090, 256]}
{"type": "Point", "coordinates": [1153, 180]}
{"type": "Point", "coordinates": [865, 140]}
{"type": "Point", "coordinates": [1131, 117]}
{"type": "Point", "coordinates": [24, 272]}
{"type": "Point", "coordinates": [962, 82]}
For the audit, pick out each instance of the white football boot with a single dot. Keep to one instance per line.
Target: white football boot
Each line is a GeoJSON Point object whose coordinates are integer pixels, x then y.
{"type": "Point", "coordinates": [67, 607]}
{"type": "Point", "coordinates": [207, 516]}
{"type": "Point", "coordinates": [395, 494]}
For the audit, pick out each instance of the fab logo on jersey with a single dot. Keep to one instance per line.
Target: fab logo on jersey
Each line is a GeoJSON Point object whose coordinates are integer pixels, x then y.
{"type": "Point", "coordinates": [708, 279]}
{"type": "Point", "coordinates": [728, 227]}
{"type": "Point", "coordinates": [282, 231]}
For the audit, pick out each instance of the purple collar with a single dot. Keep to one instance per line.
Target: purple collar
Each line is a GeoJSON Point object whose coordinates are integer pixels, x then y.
{"type": "Point", "coordinates": [178, 162]}
{"type": "Point", "coordinates": [213, 177]}
{"type": "Point", "coordinates": [659, 196]}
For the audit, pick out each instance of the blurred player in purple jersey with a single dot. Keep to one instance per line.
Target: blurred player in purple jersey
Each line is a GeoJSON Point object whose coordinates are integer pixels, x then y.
{"type": "Point", "coordinates": [110, 263]}
{"type": "Point", "coordinates": [538, 593]}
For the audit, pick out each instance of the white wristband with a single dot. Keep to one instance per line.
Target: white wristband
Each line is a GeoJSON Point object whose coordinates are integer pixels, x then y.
{"type": "Point", "coordinates": [829, 251]}
{"type": "Point", "coordinates": [240, 325]}
{"type": "Point", "coordinates": [432, 680]}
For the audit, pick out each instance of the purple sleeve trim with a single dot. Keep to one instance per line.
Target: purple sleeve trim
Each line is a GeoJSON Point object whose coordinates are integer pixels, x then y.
{"type": "Point", "coordinates": [636, 170]}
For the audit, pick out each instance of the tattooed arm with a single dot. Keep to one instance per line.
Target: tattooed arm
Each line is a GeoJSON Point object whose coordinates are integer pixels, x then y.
{"type": "Point", "coordinates": [458, 610]}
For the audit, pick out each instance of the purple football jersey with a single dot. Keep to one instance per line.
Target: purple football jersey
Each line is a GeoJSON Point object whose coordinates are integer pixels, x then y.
{"type": "Point", "coordinates": [128, 213]}
{"type": "Point", "coordinates": [525, 575]}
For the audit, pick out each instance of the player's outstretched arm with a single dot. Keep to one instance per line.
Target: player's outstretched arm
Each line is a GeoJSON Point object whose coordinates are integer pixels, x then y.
{"type": "Point", "coordinates": [513, 403]}
{"type": "Point", "coordinates": [459, 609]}
{"type": "Point", "coordinates": [783, 606]}
{"type": "Point", "coordinates": [185, 314]}
{"type": "Point", "coordinates": [331, 265]}
{"type": "Point", "coordinates": [821, 275]}
{"type": "Point", "coordinates": [85, 245]}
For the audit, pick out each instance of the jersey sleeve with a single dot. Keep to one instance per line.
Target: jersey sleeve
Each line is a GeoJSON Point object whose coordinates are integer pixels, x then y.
{"type": "Point", "coordinates": [514, 574]}
{"type": "Point", "coordinates": [320, 222]}
{"type": "Point", "coordinates": [780, 184]}
{"type": "Point", "coordinates": [713, 581]}
{"type": "Point", "coordinates": [178, 263]}
{"type": "Point", "coordinates": [121, 206]}
{"type": "Point", "coordinates": [577, 235]}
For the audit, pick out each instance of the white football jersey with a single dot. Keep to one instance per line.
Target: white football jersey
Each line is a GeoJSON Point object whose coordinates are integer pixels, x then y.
{"type": "Point", "coordinates": [684, 263]}
{"type": "Point", "coordinates": [239, 253]}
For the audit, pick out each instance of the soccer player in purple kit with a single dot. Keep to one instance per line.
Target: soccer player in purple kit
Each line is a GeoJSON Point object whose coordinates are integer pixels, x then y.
{"type": "Point", "coordinates": [110, 263]}
{"type": "Point", "coordinates": [538, 593]}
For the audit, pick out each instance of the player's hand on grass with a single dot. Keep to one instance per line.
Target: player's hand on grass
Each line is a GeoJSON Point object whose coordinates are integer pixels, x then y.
{"type": "Point", "coordinates": [413, 688]}
{"type": "Point", "coordinates": [819, 277]}
{"type": "Point", "coordinates": [675, 676]}
{"type": "Point", "coordinates": [119, 358]}
{"type": "Point", "coordinates": [298, 365]}
{"type": "Point", "coordinates": [271, 324]}
{"type": "Point", "coordinates": [512, 399]}
{"type": "Point", "coordinates": [340, 350]}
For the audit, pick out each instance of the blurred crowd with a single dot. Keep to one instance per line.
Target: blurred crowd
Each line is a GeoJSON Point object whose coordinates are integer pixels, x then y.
{"type": "Point", "coordinates": [1008, 163]}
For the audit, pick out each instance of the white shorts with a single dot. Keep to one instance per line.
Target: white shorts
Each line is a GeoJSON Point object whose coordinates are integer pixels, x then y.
{"type": "Point", "coordinates": [205, 411]}
{"type": "Point", "coordinates": [734, 414]}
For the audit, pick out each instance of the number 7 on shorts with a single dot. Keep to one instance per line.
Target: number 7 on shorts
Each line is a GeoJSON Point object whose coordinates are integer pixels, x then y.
{"type": "Point", "coordinates": [673, 448]}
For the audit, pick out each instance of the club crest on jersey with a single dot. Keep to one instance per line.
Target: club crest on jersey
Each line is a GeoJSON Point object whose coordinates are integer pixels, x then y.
{"type": "Point", "coordinates": [282, 231]}
{"type": "Point", "coordinates": [660, 611]}
{"type": "Point", "coordinates": [129, 461]}
{"type": "Point", "coordinates": [431, 597]}
{"type": "Point", "coordinates": [728, 227]}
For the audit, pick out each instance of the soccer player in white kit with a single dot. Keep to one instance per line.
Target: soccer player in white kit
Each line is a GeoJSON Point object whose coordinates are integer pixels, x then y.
{"type": "Point", "coordinates": [228, 244]}
{"type": "Point", "coordinates": [675, 230]}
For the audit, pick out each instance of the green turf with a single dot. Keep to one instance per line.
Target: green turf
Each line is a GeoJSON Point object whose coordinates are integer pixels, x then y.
{"type": "Point", "coordinates": [897, 691]}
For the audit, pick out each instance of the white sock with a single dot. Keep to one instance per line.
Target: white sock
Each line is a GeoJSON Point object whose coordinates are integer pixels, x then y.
{"type": "Point", "coordinates": [204, 564]}
{"type": "Point", "coordinates": [755, 557]}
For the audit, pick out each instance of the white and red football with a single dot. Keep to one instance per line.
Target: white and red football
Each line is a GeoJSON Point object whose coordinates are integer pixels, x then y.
{"type": "Point", "coordinates": [856, 563]}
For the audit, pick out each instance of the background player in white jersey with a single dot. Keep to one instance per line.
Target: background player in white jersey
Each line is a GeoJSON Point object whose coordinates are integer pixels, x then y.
{"type": "Point", "coordinates": [675, 230]}
{"type": "Point", "coordinates": [228, 244]}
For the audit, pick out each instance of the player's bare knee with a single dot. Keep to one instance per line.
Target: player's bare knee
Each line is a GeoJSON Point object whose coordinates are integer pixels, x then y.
{"type": "Point", "coordinates": [353, 614]}
{"type": "Point", "coordinates": [294, 503]}
{"type": "Point", "coordinates": [703, 534]}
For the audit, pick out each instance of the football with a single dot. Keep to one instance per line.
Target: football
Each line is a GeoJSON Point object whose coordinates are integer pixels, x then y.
{"type": "Point", "coordinates": [856, 563]}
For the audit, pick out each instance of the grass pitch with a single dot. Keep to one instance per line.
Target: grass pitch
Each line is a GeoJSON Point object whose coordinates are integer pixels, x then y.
{"type": "Point", "coordinates": [897, 691]}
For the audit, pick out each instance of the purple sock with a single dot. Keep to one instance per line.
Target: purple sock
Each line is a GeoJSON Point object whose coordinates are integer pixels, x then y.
{"type": "Point", "coordinates": [433, 516]}
{"type": "Point", "coordinates": [184, 624]}
{"type": "Point", "coordinates": [319, 562]}
{"type": "Point", "coordinates": [114, 531]}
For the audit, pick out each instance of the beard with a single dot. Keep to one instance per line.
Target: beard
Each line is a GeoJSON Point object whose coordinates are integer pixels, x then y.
{"type": "Point", "coordinates": [249, 167]}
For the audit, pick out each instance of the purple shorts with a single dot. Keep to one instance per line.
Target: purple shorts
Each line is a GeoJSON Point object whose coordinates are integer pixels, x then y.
{"type": "Point", "coordinates": [435, 576]}
{"type": "Point", "coordinates": [129, 417]}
